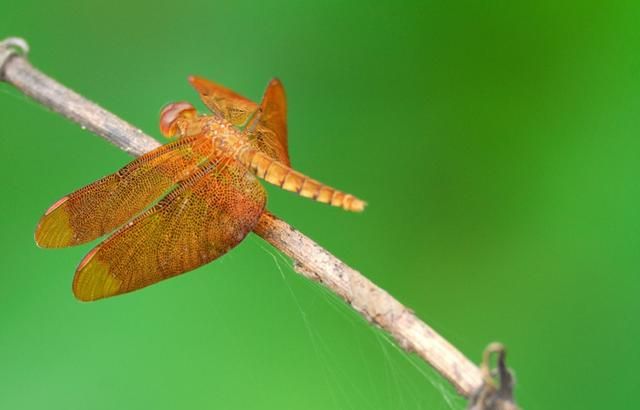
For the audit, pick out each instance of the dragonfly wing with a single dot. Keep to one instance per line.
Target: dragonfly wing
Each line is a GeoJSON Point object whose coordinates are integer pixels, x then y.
{"type": "Point", "coordinates": [271, 123]}
{"type": "Point", "coordinates": [205, 216]}
{"type": "Point", "coordinates": [106, 204]}
{"type": "Point", "coordinates": [220, 100]}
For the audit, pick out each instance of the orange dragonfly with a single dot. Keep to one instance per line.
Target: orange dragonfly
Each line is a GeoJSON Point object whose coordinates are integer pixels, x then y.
{"type": "Point", "coordinates": [211, 198]}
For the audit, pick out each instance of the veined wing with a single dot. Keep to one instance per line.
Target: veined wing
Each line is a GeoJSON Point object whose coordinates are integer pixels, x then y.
{"type": "Point", "coordinates": [106, 204]}
{"type": "Point", "coordinates": [267, 121]}
{"type": "Point", "coordinates": [271, 123]}
{"type": "Point", "coordinates": [222, 101]}
{"type": "Point", "coordinates": [205, 216]}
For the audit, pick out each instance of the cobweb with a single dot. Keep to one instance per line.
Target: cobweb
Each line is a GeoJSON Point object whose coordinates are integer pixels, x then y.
{"type": "Point", "coordinates": [409, 383]}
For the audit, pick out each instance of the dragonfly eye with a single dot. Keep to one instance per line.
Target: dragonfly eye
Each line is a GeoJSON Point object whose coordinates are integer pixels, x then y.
{"type": "Point", "coordinates": [171, 114]}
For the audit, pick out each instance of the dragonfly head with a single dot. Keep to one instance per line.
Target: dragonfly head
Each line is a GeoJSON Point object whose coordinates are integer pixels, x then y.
{"type": "Point", "coordinates": [175, 118]}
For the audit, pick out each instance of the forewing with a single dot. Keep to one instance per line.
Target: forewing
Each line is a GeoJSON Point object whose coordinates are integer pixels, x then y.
{"type": "Point", "coordinates": [231, 106]}
{"type": "Point", "coordinates": [268, 127]}
{"type": "Point", "coordinates": [205, 216]}
{"type": "Point", "coordinates": [106, 204]}
{"type": "Point", "coordinates": [271, 123]}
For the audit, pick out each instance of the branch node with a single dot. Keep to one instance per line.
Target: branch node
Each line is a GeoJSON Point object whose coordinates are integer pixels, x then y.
{"type": "Point", "coordinates": [494, 394]}
{"type": "Point", "coordinates": [9, 47]}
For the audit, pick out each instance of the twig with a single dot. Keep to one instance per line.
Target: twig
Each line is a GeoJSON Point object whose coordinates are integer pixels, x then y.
{"type": "Point", "coordinates": [494, 394]}
{"type": "Point", "coordinates": [310, 259]}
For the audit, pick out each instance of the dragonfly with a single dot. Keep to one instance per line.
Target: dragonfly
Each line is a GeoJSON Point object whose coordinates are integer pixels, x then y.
{"type": "Point", "coordinates": [187, 202]}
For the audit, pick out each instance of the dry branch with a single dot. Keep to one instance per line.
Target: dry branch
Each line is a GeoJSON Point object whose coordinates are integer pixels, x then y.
{"type": "Point", "coordinates": [310, 259]}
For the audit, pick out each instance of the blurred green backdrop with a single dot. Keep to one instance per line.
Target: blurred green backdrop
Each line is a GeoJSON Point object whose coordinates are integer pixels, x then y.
{"type": "Point", "coordinates": [496, 143]}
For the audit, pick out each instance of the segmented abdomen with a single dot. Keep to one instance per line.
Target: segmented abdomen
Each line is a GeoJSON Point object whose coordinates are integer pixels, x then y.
{"type": "Point", "coordinates": [291, 180]}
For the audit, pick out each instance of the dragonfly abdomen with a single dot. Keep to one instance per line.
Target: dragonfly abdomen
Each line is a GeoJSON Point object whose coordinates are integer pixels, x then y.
{"type": "Point", "coordinates": [279, 174]}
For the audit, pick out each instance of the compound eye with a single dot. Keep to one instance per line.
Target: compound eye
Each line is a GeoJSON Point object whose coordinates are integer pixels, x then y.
{"type": "Point", "coordinates": [170, 115]}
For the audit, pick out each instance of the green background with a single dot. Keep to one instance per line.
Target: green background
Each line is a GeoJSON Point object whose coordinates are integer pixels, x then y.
{"type": "Point", "coordinates": [497, 144]}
